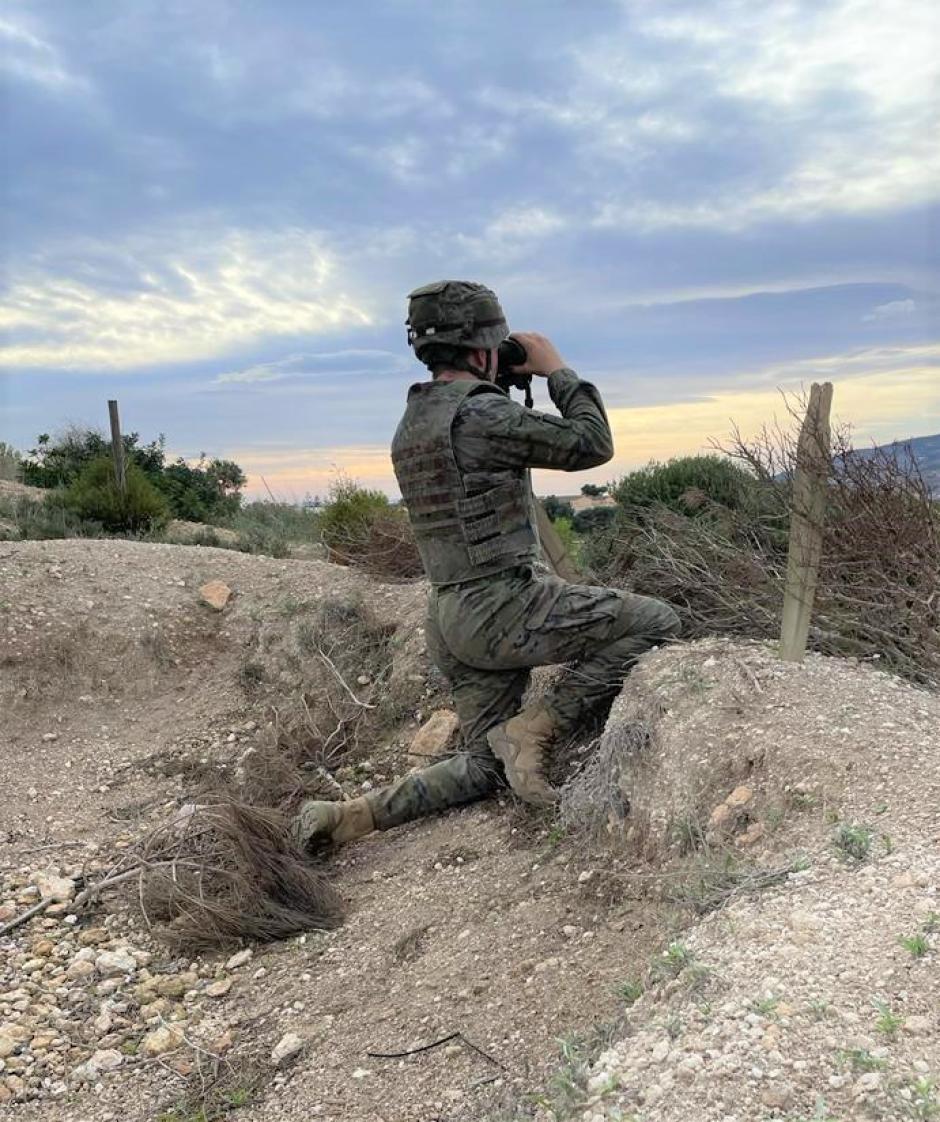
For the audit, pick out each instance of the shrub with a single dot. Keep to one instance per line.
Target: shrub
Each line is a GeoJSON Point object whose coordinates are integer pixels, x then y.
{"type": "Point", "coordinates": [687, 485]}
{"type": "Point", "coordinates": [361, 527]}
{"type": "Point", "coordinates": [10, 462]}
{"type": "Point", "coordinates": [557, 508]}
{"type": "Point", "coordinates": [94, 495]}
{"type": "Point", "coordinates": [723, 565]}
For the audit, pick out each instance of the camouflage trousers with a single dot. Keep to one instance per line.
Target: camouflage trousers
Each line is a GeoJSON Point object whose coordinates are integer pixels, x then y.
{"type": "Point", "coordinates": [486, 636]}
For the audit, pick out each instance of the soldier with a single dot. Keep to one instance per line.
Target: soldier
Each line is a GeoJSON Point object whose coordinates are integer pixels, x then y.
{"type": "Point", "coordinates": [462, 455]}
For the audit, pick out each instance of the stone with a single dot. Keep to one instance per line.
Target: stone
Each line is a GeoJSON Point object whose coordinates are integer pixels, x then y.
{"type": "Point", "coordinates": [11, 1037]}
{"type": "Point", "coordinates": [220, 987]}
{"type": "Point", "coordinates": [222, 1043]}
{"type": "Point", "coordinates": [777, 1095]}
{"type": "Point", "coordinates": [739, 797]}
{"type": "Point", "coordinates": [868, 1083]}
{"type": "Point", "coordinates": [50, 884]}
{"type": "Point", "coordinates": [752, 834]}
{"type": "Point", "coordinates": [287, 1049]}
{"type": "Point", "coordinates": [433, 736]}
{"type": "Point", "coordinates": [720, 816]}
{"type": "Point", "coordinates": [918, 1025]}
{"type": "Point", "coordinates": [161, 1040]}
{"type": "Point", "coordinates": [112, 964]}
{"type": "Point", "coordinates": [80, 970]}
{"type": "Point", "coordinates": [92, 936]}
{"type": "Point", "coordinates": [216, 594]}
{"type": "Point", "coordinates": [240, 958]}
{"type": "Point", "coordinates": [107, 1059]}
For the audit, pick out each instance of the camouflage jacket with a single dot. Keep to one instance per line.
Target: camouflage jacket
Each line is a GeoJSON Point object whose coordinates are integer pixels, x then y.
{"type": "Point", "coordinates": [462, 454]}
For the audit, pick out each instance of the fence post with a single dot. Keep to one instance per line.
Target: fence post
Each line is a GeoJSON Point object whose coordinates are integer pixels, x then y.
{"type": "Point", "coordinates": [808, 508]}
{"type": "Point", "coordinates": [117, 448]}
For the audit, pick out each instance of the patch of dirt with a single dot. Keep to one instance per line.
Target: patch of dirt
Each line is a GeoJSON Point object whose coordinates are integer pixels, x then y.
{"type": "Point", "coordinates": [761, 941]}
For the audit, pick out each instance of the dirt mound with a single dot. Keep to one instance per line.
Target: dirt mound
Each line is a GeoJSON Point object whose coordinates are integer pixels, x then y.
{"type": "Point", "coordinates": [816, 997]}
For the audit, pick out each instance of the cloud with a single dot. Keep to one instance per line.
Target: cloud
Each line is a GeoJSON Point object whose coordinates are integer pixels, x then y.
{"type": "Point", "coordinates": [513, 233]}
{"type": "Point", "coordinates": [348, 363]}
{"type": "Point", "coordinates": [25, 55]}
{"type": "Point", "coordinates": [192, 295]}
{"type": "Point", "coordinates": [892, 311]}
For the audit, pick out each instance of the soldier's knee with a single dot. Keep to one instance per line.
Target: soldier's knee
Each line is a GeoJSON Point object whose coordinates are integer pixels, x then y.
{"type": "Point", "coordinates": [669, 625]}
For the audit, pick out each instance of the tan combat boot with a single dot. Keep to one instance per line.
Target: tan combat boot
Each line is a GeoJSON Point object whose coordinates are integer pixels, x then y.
{"type": "Point", "coordinates": [318, 824]}
{"type": "Point", "coordinates": [521, 743]}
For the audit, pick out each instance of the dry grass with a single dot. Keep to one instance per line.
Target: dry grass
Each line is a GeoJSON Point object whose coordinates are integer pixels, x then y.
{"type": "Point", "coordinates": [227, 872]}
{"type": "Point", "coordinates": [878, 596]}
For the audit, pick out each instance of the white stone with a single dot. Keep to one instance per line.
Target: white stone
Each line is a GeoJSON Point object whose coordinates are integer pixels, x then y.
{"type": "Point", "coordinates": [240, 958]}
{"type": "Point", "coordinates": [287, 1048]}
{"type": "Point", "coordinates": [112, 964]}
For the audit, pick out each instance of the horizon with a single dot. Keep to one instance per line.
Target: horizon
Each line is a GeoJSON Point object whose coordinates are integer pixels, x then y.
{"type": "Point", "coordinates": [215, 214]}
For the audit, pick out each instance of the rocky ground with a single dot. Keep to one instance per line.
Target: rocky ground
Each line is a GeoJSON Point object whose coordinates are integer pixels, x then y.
{"type": "Point", "coordinates": [756, 939]}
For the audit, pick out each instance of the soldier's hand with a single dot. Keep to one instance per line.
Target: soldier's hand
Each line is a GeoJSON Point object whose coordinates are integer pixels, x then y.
{"type": "Point", "coordinates": [542, 358]}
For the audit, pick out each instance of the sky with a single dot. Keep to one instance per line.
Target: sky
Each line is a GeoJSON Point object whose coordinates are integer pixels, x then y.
{"type": "Point", "coordinates": [212, 210]}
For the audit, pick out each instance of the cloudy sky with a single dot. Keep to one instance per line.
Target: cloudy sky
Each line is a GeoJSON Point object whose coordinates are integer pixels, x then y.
{"type": "Point", "coordinates": [213, 208]}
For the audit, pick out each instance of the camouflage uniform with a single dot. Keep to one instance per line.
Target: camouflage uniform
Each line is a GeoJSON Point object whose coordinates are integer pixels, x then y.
{"type": "Point", "coordinates": [507, 613]}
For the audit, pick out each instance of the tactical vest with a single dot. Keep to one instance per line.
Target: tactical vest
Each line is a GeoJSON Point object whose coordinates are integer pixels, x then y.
{"type": "Point", "coordinates": [466, 526]}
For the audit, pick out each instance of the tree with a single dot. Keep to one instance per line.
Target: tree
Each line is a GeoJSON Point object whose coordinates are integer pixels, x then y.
{"type": "Point", "coordinates": [593, 490]}
{"type": "Point", "coordinates": [557, 508]}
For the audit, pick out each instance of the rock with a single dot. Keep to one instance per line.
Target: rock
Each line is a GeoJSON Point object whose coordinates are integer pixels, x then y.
{"type": "Point", "coordinates": [50, 884]}
{"type": "Point", "coordinates": [240, 958]}
{"type": "Point", "coordinates": [112, 964]}
{"type": "Point", "coordinates": [161, 1040]}
{"type": "Point", "coordinates": [222, 1043]}
{"type": "Point", "coordinates": [918, 1025]}
{"type": "Point", "coordinates": [105, 1059]}
{"type": "Point", "coordinates": [868, 1083]}
{"type": "Point", "coordinates": [720, 816]}
{"type": "Point", "coordinates": [172, 986]}
{"type": "Point", "coordinates": [739, 797]}
{"type": "Point", "coordinates": [92, 936]}
{"type": "Point", "coordinates": [432, 738]}
{"type": "Point", "coordinates": [43, 948]}
{"type": "Point", "coordinates": [11, 1037]}
{"type": "Point", "coordinates": [752, 834]}
{"type": "Point", "coordinates": [216, 594]}
{"type": "Point", "coordinates": [220, 987]}
{"type": "Point", "coordinates": [585, 876]}
{"type": "Point", "coordinates": [777, 1095]}
{"type": "Point", "coordinates": [287, 1049]}
{"type": "Point", "coordinates": [80, 970]}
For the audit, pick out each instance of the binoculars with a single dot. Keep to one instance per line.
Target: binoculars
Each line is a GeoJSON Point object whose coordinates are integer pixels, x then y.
{"type": "Point", "coordinates": [512, 353]}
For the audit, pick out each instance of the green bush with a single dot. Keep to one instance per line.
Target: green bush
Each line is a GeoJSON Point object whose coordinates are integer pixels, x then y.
{"type": "Point", "coordinates": [10, 462]}
{"type": "Point", "coordinates": [687, 485]}
{"type": "Point", "coordinates": [361, 527]}
{"type": "Point", "coordinates": [557, 508]}
{"type": "Point", "coordinates": [349, 513]}
{"type": "Point", "coordinates": [94, 496]}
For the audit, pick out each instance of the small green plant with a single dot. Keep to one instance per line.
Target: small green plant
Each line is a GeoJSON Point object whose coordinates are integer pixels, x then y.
{"type": "Point", "coordinates": [887, 1022]}
{"type": "Point", "coordinates": [766, 1006]}
{"type": "Point", "coordinates": [931, 923]}
{"type": "Point", "coordinates": [671, 962]}
{"type": "Point", "coordinates": [820, 1009]}
{"type": "Point", "coordinates": [688, 833]}
{"type": "Point", "coordinates": [853, 842]}
{"type": "Point", "coordinates": [630, 991]}
{"type": "Point", "coordinates": [924, 1103]}
{"type": "Point", "coordinates": [859, 1059]}
{"type": "Point", "coordinates": [888, 842]}
{"type": "Point", "coordinates": [916, 944]}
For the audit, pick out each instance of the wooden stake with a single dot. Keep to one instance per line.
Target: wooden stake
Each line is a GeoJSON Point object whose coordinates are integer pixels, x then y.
{"type": "Point", "coordinates": [117, 448]}
{"type": "Point", "coordinates": [810, 483]}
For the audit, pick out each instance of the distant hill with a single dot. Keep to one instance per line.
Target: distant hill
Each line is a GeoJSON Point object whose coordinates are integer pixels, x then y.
{"type": "Point", "coordinates": [926, 451]}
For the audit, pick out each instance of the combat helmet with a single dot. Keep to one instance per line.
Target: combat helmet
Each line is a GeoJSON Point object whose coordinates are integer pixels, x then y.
{"type": "Point", "coordinates": [457, 313]}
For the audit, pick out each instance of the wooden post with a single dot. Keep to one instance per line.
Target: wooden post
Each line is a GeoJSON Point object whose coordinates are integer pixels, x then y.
{"type": "Point", "coordinates": [808, 508]}
{"type": "Point", "coordinates": [117, 448]}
